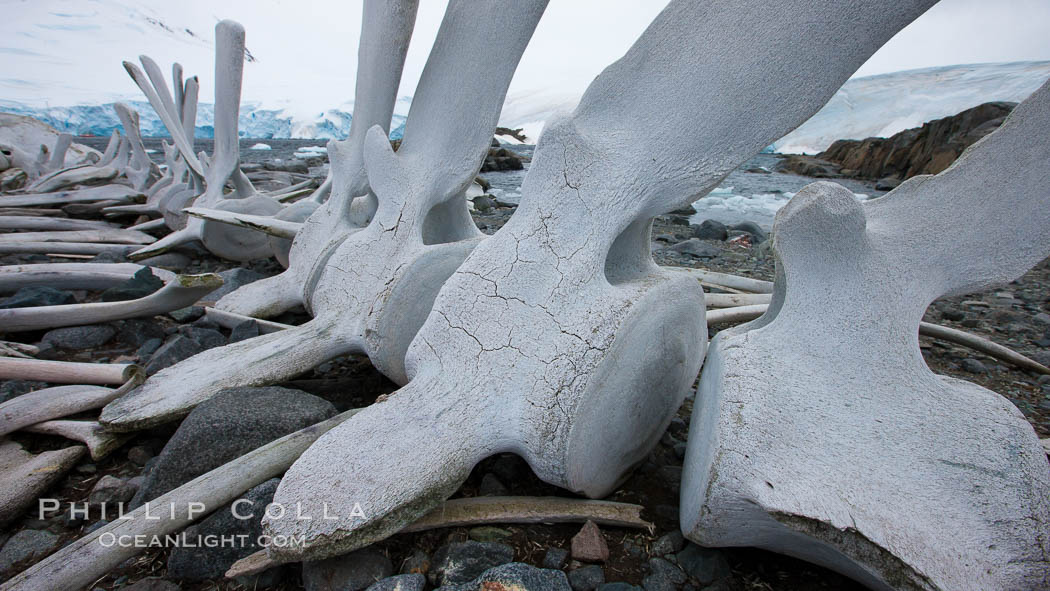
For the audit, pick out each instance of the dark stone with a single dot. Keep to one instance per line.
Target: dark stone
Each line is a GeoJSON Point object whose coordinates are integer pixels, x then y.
{"type": "Point", "coordinates": [80, 337]}
{"type": "Point", "coordinates": [710, 230]}
{"type": "Point", "coordinates": [174, 350]}
{"type": "Point", "coordinates": [418, 563]}
{"type": "Point", "coordinates": [14, 388]}
{"type": "Point", "coordinates": [231, 280]}
{"type": "Point", "coordinates": [112, 491]}
{"type": "Point", "coordinates": [952, 314]}
{"type": "Point", "coordinates": [205, 337]}
{"type": "Point", "coordinates": [246, 330]}
{"type": "Point", "coordinates": [751, 228]}
{"type": "Point", "coordinates": [668, 544]}
{"type": "Point", "coordinates": [973, 366]}
{"type": "Point", "coordinates": [189, 314]}
{"type": "Point", "coordinates": [697, 248]}
{"type": "Point", "coordinates": [350, 572]}
{"type": "Point", "coordinates": [587, 578]}
{"type": "Point", "coordinates": [491, 486]}
{"type": "Point", "coordinates": [152, 584]}
{"type": "Point", "coordinates": [227, 426]}
{"type": "Point", "coordinates": [460, 562]}
{"type": "Point", "coordinates": [619, 587]}
{"type": "Point", "coordinates": [25, 545]}
{"type": "Point", "coordinates": [706, 565]}
{"type": "Point", "coordinates": [517, 576]}
{"type": "Point", "coordinates": [484, 203]}
{"type": "Point", "coordinates": [29, 297]}
{"type": "Point", "coordinates": [143, 283]}
{"type": "Point", "coordinates": [149, 348]}
{"type": "Point", "coordinates": [173, 261]}
{"type": "Point", "coordinates": [412, 582]}
{"type": "Point", "coordinates": [665, 571]}
{"type": "Point", "coordinates": [136, 331]}
{"type": "Point", "coordinates": [555, 558]}
{"type": "Point", "coordinates": [887, 183]}
{"type": "Point", "coordinates": [200, 563]}
{"type": "Point", "coordinates": [139, 455]}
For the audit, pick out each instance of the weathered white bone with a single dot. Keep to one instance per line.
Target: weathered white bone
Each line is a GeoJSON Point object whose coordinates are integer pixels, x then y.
{"type": "Point", "coordinates": [112, 236]}
{"type": "Point", "coordinates": [85, 560]}
{"type": "Point", "coordinates": [90, 276]}
{"type": "Point", "coordinates": [156, 224]}
{"type": "Point", "coordinates": [66, 372]}
{"type": "Point", "coordinates": [30, 212]}
{"type": "Point", "coordinates": [27, 476]}
{"type": "Point", "coordinates": [111, 148]}
{"type": "Point", "coordinates": [91, 248]}
{"type": "Point", "coordinates": [12, 349]}
{"type": "Point", "coordinates": [230, 320]}
{"type": "Point", "coordinates": [52, 403]}
{"type": "Point", "coordinates": [385, 33]}
{"type": "Point", "coordinates": [79, 175]}
{"type": "Point", "coordinates": [18, 131]}
{"type": "Point", "coordinates": [180, 292]}
{"type": "Point", "coordinates": [266, 224]}
{"type": "Point", "coordinates": [139, 169]}
{"type": "Point", "coordinates": [559, 338]}
{"type": "Point", "coordinates": [103, 193]}
{"type": "Point", "coordinates": [51, 223]}
{"type": "Point", "coordinates": [818, 430]}
{"type": "Point", "coordinates": [100, 443]}
{"type": "Point", "coordinates": [492, 510]}
{"type": "Point", "coordinates": [745, 284]}
{"type": "Point", "coordinates": [377, 287]}
{"type": "Point", "coordinates": [729, 300]}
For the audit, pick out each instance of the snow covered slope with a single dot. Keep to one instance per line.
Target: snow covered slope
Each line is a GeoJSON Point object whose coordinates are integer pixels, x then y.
{"type": "Point", "coordinates": [880, 106]}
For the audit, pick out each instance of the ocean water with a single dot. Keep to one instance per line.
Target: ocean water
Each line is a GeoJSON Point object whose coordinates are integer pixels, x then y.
{"type": "Point", "coordinates": [742, 197]}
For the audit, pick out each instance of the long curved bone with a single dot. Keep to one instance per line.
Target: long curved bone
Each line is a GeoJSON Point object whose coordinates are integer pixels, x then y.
{"type": "Point", "coordinates": [385, 33]}
{"type": "Point", "coordinates": [559, 339]}
{"type": "Point", "coordinates": [819, 432]}
{"type": "Point", "coordinates": [27, 222]}
{"type": "Point", "coordinates": [91, 194]}
{"type": "Point", "coordinates": [139, 169]}
{"type": "Point", "coordinates": [54, 403]}
{"type": "Point", "coordinates": [58, 248]}
{"type": "Point", "coordinates": [266, 224]}
{"type": "Point", "coordinates": [78, 175]}
{"type": "Point", "coordinates": [378, 285]}
{"type": "Point", "coordinates": [66, 372]}
{"type": "Point", "coordinates": [180, 292]}
{"type": "Point", "coordinates": [100, 443]}
{"type": "Point", "coordinates": [90, 276]}
{"type": "Point", "coordinates": [117, 236]}
{"type": "Point", "coordinates": [27, 476]}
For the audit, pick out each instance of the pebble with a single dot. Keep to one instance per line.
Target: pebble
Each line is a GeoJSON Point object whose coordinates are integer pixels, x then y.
{"type": "Point", "coordinates": [355, 571]}
{"type": "Point", "coordinates": [555, 558]}
{"type": "Point", "coordinates": [619, 587]}
{"type": "Point", "coordinates": [706, 565]}
{"type": "Point", "coordinates": [207, 338]}
{"type": "Point", "coordinates": [710, 230]}
{"type": "Point", "coordinates": [188, 314]}
{"type": "Point", "coordinates": [418, 563]}
{"type": "Point", "coordinates": [461, 562]}
{"type": "Point", "coordinates": [517, 576]}
{"type": "Point", "coordinates": [400, 583]}
{"type": "Point", "coordinates": [697, 249]}
{"type": "Point", "coordinates": [973, 366]}
{"type": "Point", "coordinates": [668, 544]}
{"type": "Point", "coordinates": [140, 455]}
{"type": "Point", "coordinates": [111, 491]}
{"type": "Point", "coordinates": [587, 578]}
{"type": "Point", "coordinates": [243, 331]}
{"type": "Point", "coordinates": [491, 486]}
{"type": "Point", "coordinates": [174, 350]}
{"type": "Point", "coordinates": [589, 545]}
{"type": "Point", "coordinates": [26, 544]}
{"type": "Point", "coordinates": [80, 337]}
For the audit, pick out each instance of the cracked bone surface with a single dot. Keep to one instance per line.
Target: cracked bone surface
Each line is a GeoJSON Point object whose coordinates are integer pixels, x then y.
{"type": "Point", "coordinates": [559, 339]}
{"type": "Point", "coordinates": [377, 287]}
{"type": "Point", "coordinates": [818, 429]}
{"type": "Point", "coordinates": [385, 33]}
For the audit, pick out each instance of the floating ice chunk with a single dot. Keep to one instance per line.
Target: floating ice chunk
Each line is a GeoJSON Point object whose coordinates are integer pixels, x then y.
{"type": "Point", "coordinates": [260, 146]}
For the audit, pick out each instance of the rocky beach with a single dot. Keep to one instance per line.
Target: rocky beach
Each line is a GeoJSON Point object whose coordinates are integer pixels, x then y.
{"type": "Point", "coordinates": [728, 231]}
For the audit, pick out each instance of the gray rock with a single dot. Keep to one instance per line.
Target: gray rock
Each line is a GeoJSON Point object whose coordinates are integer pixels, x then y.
{"type": "Point", "coordinates": [189, 314]}
{"type": "Point", "coordinates": [887, 183]}
{"type": "Point", "coordinates": [665, 570]}
{"type": "Point", "coordinates": [173, 261]}
{"type": "Point", "coordinates": [710, 230]}
{"type": "Point", "coordinates": [973, 366]}
{"type": "Point", "coordinates": [207, 338]}
{"type": "Point", "coordinates": [668, 543]}
{"type": "Point", "coordinates": [28, 297]}
{"type": "Point", "coordinates": [517, 576]}
{"type": "Point", "coordinates": [619, 587]}
{"type": "Point", "coordinates": [174, 350]}
{"type": "Point", "coordinates": [697, 249]}
{"type": "Point", "coordinates": [152, 584]}
{"type": "Point", "coordinates": [555, 558]}
{"type": "Point", "coordinates": [199, 563]}
{"type": "Point", "coordinates": [227, 426]}
{"type": "Point", "coordinates": [245, 330]}
{"type": "Point", "coordinates": [140, 455]}
{"type": "Point", "coordinates": [484, 203]}
{"type": "Point", "coordinates": [231, 280]}
{"type": "Point", "coordinates": [25, 545]}
{"type": "Point", "coordinates": [13, 388]}
{"type": "Point", "coordinates": [706, 565]}
{"type": "Point", "coordinates": [80, 337]}
{"type": "Point", "coordinates": [587, 578]}
{"type": "Point", "coordinates": [491, 486]}
{"type": "Point", "coordinates": [751, 228]}
{"type": "Point", "coordinates": [149, 348]}
{"type": "Point", "coordinates": [589, 544]}
{"type": "Point", "coordinates": [953, 314]}
{"type": "Point", "coordinates": [136, 331]}
{"type": "Point", "coordinates": [141, 284]}
{"type": "Point", "coordinates": [462, 561]}
{"type": "Point", "coordinates": [1042, 318]}
{"type": "Point", "coordinates": [416, 564]}
{"type": "Point", "coordinates": [110, 490]}
{"type": "Point", "coordinates": [350, 572]}
{"type": "Point", "coordinates": [412, 582]}
{"type": "Point", "coordinates": [108, 257]}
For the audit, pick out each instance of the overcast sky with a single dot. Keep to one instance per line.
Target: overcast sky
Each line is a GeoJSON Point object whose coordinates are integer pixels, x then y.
{"type": "Point", "coordinates": [306, 49]}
